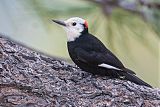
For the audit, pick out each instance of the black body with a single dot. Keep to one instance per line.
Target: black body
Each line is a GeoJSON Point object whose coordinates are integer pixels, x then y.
{"type": "Point", "coordinates": [87, 52]}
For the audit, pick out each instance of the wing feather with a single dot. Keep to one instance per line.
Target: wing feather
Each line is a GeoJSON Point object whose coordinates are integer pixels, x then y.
{"type": "Point", "coordinates": [97, 59]}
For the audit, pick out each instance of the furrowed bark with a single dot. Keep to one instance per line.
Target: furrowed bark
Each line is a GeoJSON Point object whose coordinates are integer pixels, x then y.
{"type": "Point", "coordinates": [31, 79]}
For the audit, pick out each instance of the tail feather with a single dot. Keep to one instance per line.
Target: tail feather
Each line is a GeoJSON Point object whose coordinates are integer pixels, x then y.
{"type": "Point", "coordinates": [135, 79]}
{"type": "Point", "coordinates": [129, 71]}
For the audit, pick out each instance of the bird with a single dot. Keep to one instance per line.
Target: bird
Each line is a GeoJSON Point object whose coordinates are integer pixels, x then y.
{"type": "Point", "coordinates": [91, 55]}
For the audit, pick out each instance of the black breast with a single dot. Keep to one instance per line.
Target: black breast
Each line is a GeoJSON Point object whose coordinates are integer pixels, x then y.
{"type": "Point", "coordinates": [83, 42]}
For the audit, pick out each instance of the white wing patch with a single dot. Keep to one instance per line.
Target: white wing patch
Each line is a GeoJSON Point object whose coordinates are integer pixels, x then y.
{"type": "Point", "coordinates": [108, 66]}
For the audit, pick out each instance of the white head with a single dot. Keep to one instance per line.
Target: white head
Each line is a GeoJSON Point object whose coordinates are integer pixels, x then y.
{"type": "Point", "coordinates": [74, 27]}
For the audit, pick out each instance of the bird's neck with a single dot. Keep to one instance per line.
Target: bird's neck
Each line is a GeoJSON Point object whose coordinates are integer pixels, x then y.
{"type": "Point", "coordinates": [85, 31]}
{"type": "Point", "coordinates": [72, 36]}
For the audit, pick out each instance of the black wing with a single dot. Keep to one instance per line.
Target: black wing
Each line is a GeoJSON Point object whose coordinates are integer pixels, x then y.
{"type": "Point", "coordinates": [92, 51]}
{"type": "Point", "coordinates": [94, 57]}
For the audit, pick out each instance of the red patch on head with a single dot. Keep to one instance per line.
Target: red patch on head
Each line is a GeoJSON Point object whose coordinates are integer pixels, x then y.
{"type": "Point", "coordinates": [86, 24]}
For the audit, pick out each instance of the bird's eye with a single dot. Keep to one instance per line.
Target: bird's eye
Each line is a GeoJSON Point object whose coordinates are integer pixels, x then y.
{"type": "Point", "coordinates": [74, 24]}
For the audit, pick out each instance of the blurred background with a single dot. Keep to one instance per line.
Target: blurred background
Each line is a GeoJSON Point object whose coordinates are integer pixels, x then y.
{"type": "Point", "coordinates": [130, 28]}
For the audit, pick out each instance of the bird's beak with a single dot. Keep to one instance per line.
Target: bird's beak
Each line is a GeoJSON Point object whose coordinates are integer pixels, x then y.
{"type": "Point", "coordinates": [59, 22]}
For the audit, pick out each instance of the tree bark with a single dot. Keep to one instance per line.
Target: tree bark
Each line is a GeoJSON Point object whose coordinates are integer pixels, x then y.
{"type": "Point", "coordinates": [31, 79]}
{"type": "Point", "coordinates": [134, 6]}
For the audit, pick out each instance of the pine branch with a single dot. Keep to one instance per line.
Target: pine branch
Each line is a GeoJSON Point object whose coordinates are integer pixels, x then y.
{"type": "Point", "coordinates": [134, 6]}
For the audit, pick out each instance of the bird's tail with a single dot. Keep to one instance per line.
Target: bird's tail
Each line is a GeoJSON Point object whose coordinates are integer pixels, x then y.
{"type": "Point", "coordinates": [135, 79]}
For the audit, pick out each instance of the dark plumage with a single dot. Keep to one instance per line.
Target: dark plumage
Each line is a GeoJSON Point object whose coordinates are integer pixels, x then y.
{"type": "Point", "coordinates": [90, 54]}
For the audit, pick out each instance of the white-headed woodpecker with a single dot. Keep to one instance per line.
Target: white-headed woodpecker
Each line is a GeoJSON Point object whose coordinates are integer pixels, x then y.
{"type": "Point", "coordinates": [90, 54]}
